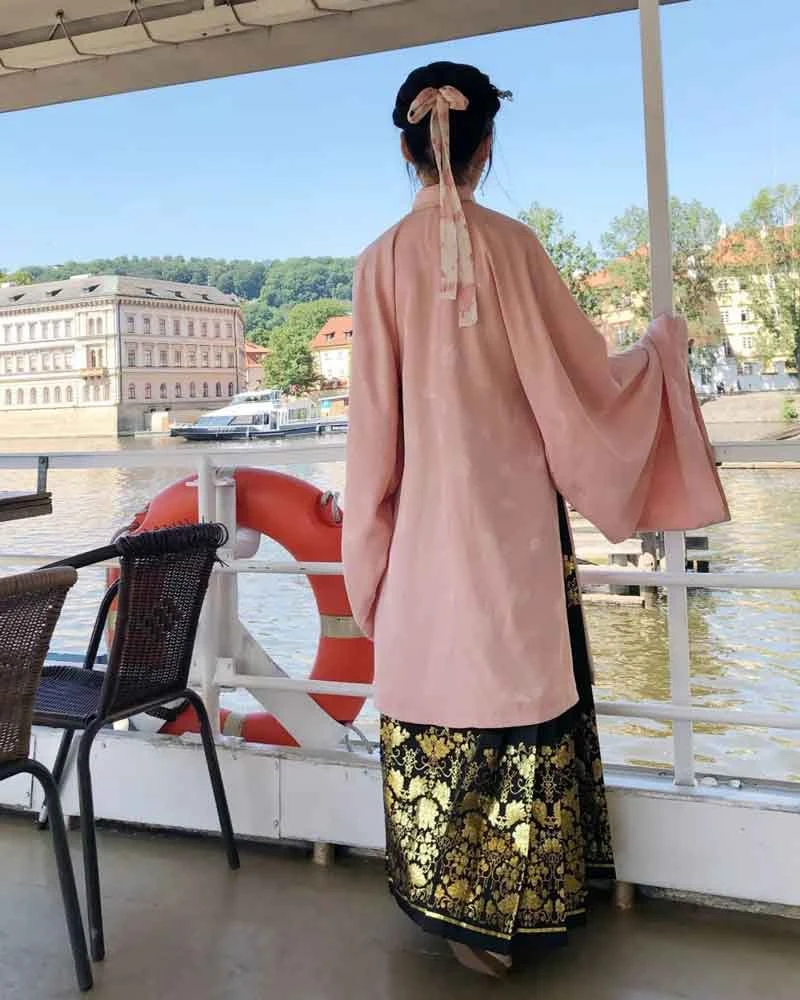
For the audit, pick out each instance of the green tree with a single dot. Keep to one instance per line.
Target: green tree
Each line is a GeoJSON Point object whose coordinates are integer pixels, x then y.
{"type": "Point", "coordinates": [575, 262]}
{"type": "Point", "coordinates": [306, 279]}
{"type": "Point", "coordinates": [290, 366]}
{"type": "Point", "coordinates": [695, 266]}
{"type": "Point", "coordinates": [15, 277]}
{"type": "Point", "coordinates": [765, 253]}
{"type": "Point", "coordinates": [260, 319]}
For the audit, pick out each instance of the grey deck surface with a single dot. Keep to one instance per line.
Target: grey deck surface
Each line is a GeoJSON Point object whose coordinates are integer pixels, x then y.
{"type": "Point", "coordinates": [180, 926]}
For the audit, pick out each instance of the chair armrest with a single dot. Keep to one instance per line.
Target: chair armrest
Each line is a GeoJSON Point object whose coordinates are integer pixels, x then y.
{"type": "Point", "coordinates": [99, 625]}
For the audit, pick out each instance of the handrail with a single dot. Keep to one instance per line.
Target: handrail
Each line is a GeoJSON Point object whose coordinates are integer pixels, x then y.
{"type": "Point", "coordinates": [282, 453]}
{"type": "Point", "coordinates": [212, 469]}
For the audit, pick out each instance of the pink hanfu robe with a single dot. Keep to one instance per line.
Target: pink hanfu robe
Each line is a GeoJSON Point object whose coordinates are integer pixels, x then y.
{"type": "Point", "coordinates": [460, 439]}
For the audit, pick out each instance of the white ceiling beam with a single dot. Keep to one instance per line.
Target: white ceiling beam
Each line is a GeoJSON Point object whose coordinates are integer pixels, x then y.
{"type": "Point", "coordinates": [297, 35]}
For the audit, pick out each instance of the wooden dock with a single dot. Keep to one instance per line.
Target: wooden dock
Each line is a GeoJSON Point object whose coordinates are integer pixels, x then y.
{"type": "Point", "coordinates": [644, 552]}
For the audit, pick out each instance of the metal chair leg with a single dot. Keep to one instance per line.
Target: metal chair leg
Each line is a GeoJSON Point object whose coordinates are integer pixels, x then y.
{"type": "Point", "coordinates": [91, 868]}
{"type": "Point", "coordinates": [58, 770]}
{"type": "Point", "coordinates": [220, 798]}
{"type": "Point", "coordinates": [66, 876]}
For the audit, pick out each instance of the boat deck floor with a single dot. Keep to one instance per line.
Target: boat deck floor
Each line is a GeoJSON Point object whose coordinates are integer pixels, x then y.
{"type": "Point", "coordinates": [179, 925]}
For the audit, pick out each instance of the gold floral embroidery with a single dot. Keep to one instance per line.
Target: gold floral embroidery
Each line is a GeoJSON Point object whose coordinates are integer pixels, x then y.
{"type": "Point", "coordinates": [498, 843]}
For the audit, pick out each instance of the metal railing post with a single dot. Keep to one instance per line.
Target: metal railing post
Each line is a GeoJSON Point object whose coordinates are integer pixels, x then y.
{"type": "Point", "coordinates": [662, 301]}
{"type": "Point", "coordinates": [206, 644]}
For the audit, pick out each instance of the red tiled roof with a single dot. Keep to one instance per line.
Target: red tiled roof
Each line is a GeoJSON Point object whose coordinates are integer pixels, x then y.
{"type": "Point", "coordinates": [255, 353]}
{"type": "Point", "coordinates": [337, 332]}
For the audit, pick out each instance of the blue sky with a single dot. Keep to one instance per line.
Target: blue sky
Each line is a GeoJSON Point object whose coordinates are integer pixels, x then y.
{"type": "Point", "coordinates": [305, 161]}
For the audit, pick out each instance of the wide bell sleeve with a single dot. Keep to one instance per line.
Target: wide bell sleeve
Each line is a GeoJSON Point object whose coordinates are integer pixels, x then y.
{"type": "Point", "coordinates": [624, 438]}
{"type": "Point", "coordinates": [374, 445]}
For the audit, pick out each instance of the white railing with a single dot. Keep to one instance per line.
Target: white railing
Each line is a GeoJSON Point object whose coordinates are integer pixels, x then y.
{"type": "Point", "coordinates": [216, 499]}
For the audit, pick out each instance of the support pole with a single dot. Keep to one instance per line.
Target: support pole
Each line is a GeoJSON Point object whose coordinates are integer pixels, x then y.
{"type": "Point", "coordinates": [662, 299]}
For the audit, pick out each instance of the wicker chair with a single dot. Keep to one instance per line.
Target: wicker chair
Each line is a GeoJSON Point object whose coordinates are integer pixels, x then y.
{"type": "Point", "coordinates": [160, 592]}
{"type": "Point", "coordinates": [29, 608]}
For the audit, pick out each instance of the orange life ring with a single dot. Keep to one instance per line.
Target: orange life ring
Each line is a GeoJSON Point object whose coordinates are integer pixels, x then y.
{"type": "Point", "coordinates": [295, 514]}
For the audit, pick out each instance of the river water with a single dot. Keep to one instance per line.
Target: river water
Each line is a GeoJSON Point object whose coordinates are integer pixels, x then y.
{"type": "Point", "coordinates": [745, 646]}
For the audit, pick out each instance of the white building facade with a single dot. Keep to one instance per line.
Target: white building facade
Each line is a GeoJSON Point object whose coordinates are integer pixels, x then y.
{"type": "Point", "coordinates": [104, 354]}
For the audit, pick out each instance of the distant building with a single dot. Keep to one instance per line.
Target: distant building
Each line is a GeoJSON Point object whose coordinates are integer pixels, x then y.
{"type": "Point", "coordinates": [254, 356]}
{"type": "Point", "coordinates": [331, 350]}
{"type": "Point", "coordinates": [102, 354]}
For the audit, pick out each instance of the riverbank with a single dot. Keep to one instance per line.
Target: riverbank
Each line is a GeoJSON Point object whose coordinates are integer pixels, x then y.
{"type": "Point", "coordinates": [749, 416]}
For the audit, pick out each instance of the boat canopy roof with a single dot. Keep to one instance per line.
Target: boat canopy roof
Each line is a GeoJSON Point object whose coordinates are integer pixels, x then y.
{"type": "Point", "coordinates": [98, 47]}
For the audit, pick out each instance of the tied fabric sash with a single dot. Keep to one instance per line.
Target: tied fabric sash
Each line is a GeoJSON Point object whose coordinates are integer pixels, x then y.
{"type": "Point", "coordinates": [457, 265]}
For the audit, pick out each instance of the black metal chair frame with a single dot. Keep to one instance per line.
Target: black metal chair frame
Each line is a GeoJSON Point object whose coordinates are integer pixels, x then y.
{"type": "Point", "coordinates": [31, 606]}
{"type": "Point", "coordinates": [105, 718]}
{"type": "Point", "coordinates": [66, 875]}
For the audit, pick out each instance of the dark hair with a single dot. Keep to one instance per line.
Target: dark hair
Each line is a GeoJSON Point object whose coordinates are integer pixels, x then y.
{"type": "Point", "coordinates": [468, 128]}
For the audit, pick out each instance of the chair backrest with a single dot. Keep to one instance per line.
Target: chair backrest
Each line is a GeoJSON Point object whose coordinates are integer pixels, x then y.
{"type": "Point", "coordinates": [30, 605]}
{"type": "Point", "coordinates": [163, 581]}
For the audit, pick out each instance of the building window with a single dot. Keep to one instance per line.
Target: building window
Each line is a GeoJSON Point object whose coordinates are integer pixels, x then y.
{"type": "Point", "coordinates": [68, 359]}
{"type": "Point", "coordinates": [192, 359]}
{"type": "Point", "coordinates": [57, 329]}
{"type": "Point", "coordinates": [93, 358]}
{"type": "Point", "coordinates": [148, 358]}
{"type": "Point", "coordinates": [33, 363]}
{"type": "Point", "coordinates": [191, 327]}
{"type": "Point", "coordinates": [131, 357]}
{"type": "Point", "coordinates": [218, 359]}
{"type": "Point", "coordinates": [33, 397]}
{"type": "Point", "coordinates": [8, 397]}
{"type": "Point", "coordinates": [46, 395]}
{"type": "Point", "coordinates": [131, 391]}
{"type": "Point", "coordinates": [86, 393]}
{"type": "Point", "coordinates": [99, 326]}
{"type": "Point", "coordinates": [20, 363]}
{"type": "Point", "coordinates": [748, 343]}
{"type": "Point", "coordinates": [205, 390]}
{"type": "Point", "coordinates": [162, 327]}
{"type": "Point", "coordinates": [231, 359]}
{"type": "Point", "coordinates": [20, 338]}
{"type": "Point", "coordinates": [203, 328]}
{"type": "Point", "coordinates": [178, 359]}
{"type": "Point", "coordinates": [192, 390]}
{"type": "Point", "coordinates": [230, 388]}
{"type": "Point", "coordinates": [6, 334]}
{"type": "Point", "coordinates": [57, 394]}
{"type": "Point", "coordinates": [217, 329]}
{"type": "Point", "coordinates": [148, 391]}
{"type": "Point", "coordinates": [131, 320]}
{"type": "Point", "coordinates": [70, 394]}
{"type": "Point", "coordinates": [176, 327]}
{"type": "Point", "coordinates": [91, 327]}
{"type": "Point", "coordinates": [218, 390]}
{"type": "Point", "coordinates": [745, 317]}
{"type": "Point", "coordinates": [163, 358]}
{"type": "Point", "coordinates": [162, 390]}
{"type": "Point", "coordinates": [57, 362]}
{"type": "Point", "coordinates": [229, 330]}
{"type": "Point", "coordinates": [96, 393]}
{"type": "Point", "coordinates": [20, 396]}
{"type": "Point", "coordinates": [204, 358]}
{"type": "Point", "coordinates": [724, 316]}
{"type": "Point", "coordinates": [45, 362]}
{"type": "Point", "coordinates": [106, 392]}
{"type": "Point", "coordinates": [67, 327]}
{"type": "Point", "coordinates": [178, 390]}
{"type": "Point", "coordinates": [9, 365]}
{"type": "Point", "coordinates": [33, 331]}
{"type": "Point", "coordinates": [146, 322]}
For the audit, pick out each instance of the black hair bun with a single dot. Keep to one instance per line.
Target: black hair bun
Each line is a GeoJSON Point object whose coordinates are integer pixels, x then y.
{"type": "Point", "coordinates": [468, 128]}
{"type": "Point", "coordinates": [483, 96]}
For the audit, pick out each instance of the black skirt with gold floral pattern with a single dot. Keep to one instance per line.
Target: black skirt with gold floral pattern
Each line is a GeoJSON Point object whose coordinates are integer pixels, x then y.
{"type": "Point", "coordinates": [493, 834]}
